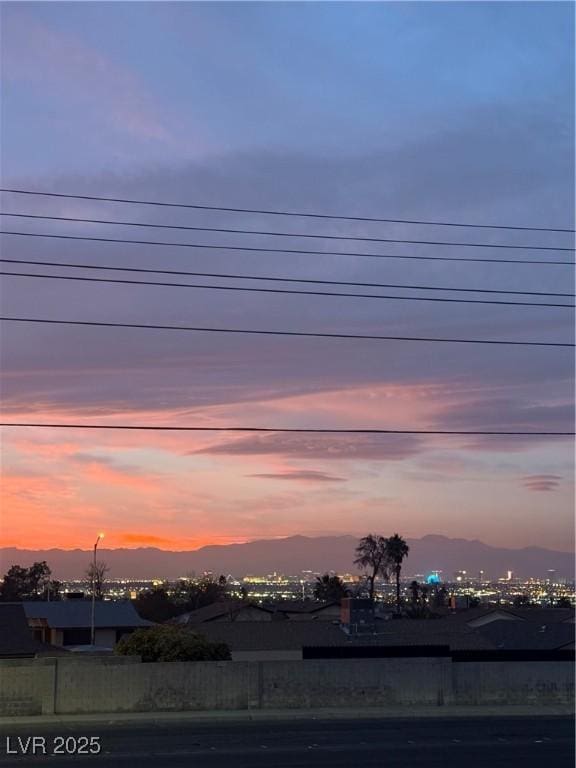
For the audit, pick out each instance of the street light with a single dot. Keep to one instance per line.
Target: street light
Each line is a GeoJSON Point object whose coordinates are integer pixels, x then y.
{"type": "Point", "coordinates": [92, 627]}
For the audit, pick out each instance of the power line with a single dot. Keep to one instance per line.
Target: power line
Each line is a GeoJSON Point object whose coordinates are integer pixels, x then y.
{"type": "Point", "coordinates": [157, 428]}
{"type": "Point", "coordinates": [305, 334]}
{"type": "Point", "coordinates": [269, 278]}
{"type": "Point", "coordinates": [223, 230]}
{"type": "Point", "coordinates": [86, 238]}
{"type": "Point", "coordinates": [118, 281]}
{"type": "Point", "coordinates": [299, 214]}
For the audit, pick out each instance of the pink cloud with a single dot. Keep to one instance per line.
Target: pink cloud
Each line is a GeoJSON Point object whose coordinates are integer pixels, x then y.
{"type": "Point", "coordinates": [302, 475]}
{"type": "Point", "coordinates": [34, 52]}
{"type": "Point", "coordinates": [541, 482]}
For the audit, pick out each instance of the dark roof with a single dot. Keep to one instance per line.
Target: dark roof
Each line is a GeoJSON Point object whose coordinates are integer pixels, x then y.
{"type": "Point", "coordinates": [535, 614]}
{"type": "Point", "coordinates": [76, 614]}
{"type": "Point", "coordinates": [229, 608]}
{"type": "Point", "coordinates": [273, 635]}
{"type": "Point", "coordinates": [300, 606]}
{"type": "Point", "coordinates": [544, 615]}
{"type": "Point", "coordinates": [525, 635]}
{"type": "Point", "coordinates": [288, 635]}
{"type": "Point", "coordinates": [471, 614]}
{"type": "Point", "coordinates": [17, 639]}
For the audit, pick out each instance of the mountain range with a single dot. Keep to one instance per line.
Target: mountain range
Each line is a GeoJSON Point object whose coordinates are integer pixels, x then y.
{"type": "Point", "coordinates": [294, 554]}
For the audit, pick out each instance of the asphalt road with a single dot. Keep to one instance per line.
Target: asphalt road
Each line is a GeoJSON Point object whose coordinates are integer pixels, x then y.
{"type": "Point", "coordinates": [526, 742]}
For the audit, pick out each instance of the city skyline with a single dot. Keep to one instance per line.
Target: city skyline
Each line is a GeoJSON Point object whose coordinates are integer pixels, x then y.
{"type": "Point", "coordinates": [296, 554]}
{"type": "Point", "coordinates": [456, 112]}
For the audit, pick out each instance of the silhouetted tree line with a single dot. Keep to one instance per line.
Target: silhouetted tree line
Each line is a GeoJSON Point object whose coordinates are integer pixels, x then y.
{"type": "Point", "coordinates": [159, 605]}
{"type": "Point", "coordinates": [34, 583]}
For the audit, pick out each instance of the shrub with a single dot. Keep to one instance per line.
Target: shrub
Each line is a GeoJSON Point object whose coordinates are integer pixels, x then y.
{"type": "Point", "coordinates": [171, 643]}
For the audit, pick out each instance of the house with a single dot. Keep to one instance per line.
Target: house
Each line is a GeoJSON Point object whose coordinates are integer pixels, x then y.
{"type": "Point", "coordinates": [529, 635]}
{"type": "Point", "coordinates": [226, 610]}
{"type": "Point", "coordinates": [307, 610]}
{"type": "Point", "coordinates": [241, 610]}
{"type": "Point", "coordinates": [67, 623]}
{"type": "Point", "coordinates": [17, 640]}
{"type": "Point", "coordinates": [482, 616]}
{"type": "Point", "coordinates": [285, 640]}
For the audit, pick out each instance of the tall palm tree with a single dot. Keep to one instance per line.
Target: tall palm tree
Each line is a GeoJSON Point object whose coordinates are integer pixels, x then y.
{"type": "Point", "coordinates": [396, 551]}
{"type": "Point", "coordinates": [371, 553]}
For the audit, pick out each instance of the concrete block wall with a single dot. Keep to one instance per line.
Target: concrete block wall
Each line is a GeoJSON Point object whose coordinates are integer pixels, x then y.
{"type": "Point", "coordinates": [521, 682]}
{"type": "Point", "coordinates": [168, 686]}
{"type": "Point", "coordinates": [83, 685]}
{"type": "Point", "coordinates": [354, 682]}
{"type": "Point", "coordinates": [27, 687]}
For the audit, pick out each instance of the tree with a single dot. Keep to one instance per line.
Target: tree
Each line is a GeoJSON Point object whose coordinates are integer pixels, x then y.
{"type": "Point", "coordinates": [371, 554]}
{"type": "Point", "coordinates": [171, 643]}
{"type": "Point", "coordinates": [521, 601]}
{"type": "Point", "coordinates": [414, 592]}
{"type": "Point", "coordinates": [439, 596]}
{"type": "Point", "coordinates": [396, 550]}
{"type": "Point", "coordinates": [27, 583]}
{"type": "Point", "coordinates": [329, 589]}
{"type": "Point", "coordinates": [156, 605]}
{"type": "Point", "coordinates": [192, 595]}
{"type": "Point", "coordinates": [53, 590]}
{"type": "Point", "coordinates": [96, 575]}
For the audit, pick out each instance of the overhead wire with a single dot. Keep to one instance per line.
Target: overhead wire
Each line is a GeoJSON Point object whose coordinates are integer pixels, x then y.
{"type": "Point", "coordinates": [299, 251]}
{"type": "Point", "coordinates": [302, 334]}
{"type": "Point", "coordinates": [296, 430]}
{"type": "Point", "coordinates": [272, 290]}
{"type": "Point", "coordinates": [271, 278]}
{"type": "Point", "coordinates": [287, 291]}
{"type": "Point", "coordinates": [298, 235]}
{"type": "Point", "coordinates": [300, 214]}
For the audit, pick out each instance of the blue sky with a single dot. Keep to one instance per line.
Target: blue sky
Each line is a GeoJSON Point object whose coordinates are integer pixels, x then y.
{"type": "Point", "coordinates": [221, 77]}
{"type": "Point", "coordinates": [456, 111]}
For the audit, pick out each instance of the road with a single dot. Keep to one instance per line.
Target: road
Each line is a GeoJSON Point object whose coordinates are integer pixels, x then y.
{"type": "Point", "coordinates": [506, 742]}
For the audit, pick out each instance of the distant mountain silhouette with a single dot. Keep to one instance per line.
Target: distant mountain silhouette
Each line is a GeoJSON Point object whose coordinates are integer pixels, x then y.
{"type": "Point", "coordinates": [295, 554]}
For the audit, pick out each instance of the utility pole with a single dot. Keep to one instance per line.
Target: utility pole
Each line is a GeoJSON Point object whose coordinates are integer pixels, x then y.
{"type": "Point", "coordinates": [93, 616]}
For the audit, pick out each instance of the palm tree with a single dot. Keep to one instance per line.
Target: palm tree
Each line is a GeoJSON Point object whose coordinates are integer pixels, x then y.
{"type": "Point", "coordinates": [372, 554]}
{"type": "Point", "coordinates": [329, 589]}
{"type": "Point", "coordinates": [396, 551]}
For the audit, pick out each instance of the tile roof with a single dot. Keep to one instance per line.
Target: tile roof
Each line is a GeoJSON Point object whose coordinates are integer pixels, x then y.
{"type": "Point", "coordinates": [535, 614]}
{"type": "Point", "coordinates": [230, 608]}
{"type": "Point", "coordinates": [524, 635]}
{"type": "Point", "coordinates": [288, 635]}
{"type": "Point", "coordinates": [304, 609]}
{"type": "Point", "coordinates": [300, 606]}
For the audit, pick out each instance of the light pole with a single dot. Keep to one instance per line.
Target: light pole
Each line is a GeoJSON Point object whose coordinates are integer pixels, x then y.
{"type": "Point", "coordinates": [92, 622]}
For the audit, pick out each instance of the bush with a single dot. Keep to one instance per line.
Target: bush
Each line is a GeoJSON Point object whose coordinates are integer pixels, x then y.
{"type": "Point", "coordinates": [171, 643]}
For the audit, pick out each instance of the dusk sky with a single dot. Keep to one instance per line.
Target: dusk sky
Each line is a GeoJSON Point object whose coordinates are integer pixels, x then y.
{"type": "Point", "coordinates": [459, 111]}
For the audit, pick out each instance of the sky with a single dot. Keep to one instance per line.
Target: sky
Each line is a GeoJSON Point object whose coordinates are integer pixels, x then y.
{"type": "Point", "coordinates": [459, 111]}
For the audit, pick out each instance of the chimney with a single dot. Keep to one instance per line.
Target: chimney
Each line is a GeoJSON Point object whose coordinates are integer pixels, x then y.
{"type": "Point", "coordinates": [357, 615]}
